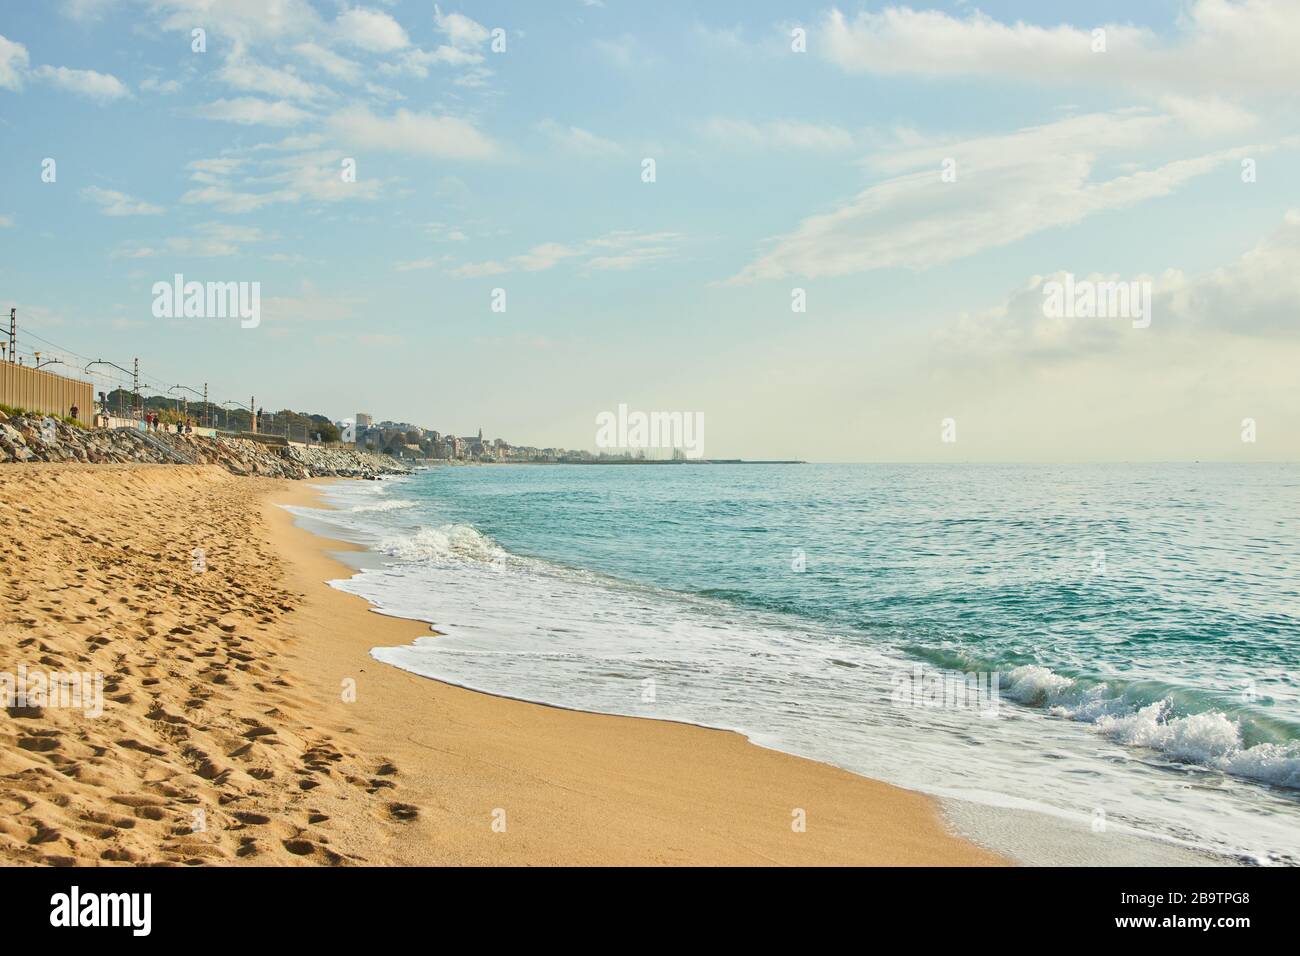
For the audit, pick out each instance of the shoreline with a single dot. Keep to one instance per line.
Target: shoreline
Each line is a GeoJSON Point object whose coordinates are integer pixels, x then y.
{"type": "Point", "coordinates": [1022, 834]}
{"type": "Point", "coordinates": [667, 792]}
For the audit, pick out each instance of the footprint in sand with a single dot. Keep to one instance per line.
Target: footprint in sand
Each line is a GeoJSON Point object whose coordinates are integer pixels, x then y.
{"type": "Point", "coordinates": [403, 812]}
{"type": "Point", "coordinates": [252, 819]}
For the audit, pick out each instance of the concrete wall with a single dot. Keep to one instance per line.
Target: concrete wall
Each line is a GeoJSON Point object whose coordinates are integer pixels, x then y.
{"type": "Point", "coordinates": [40, 391]}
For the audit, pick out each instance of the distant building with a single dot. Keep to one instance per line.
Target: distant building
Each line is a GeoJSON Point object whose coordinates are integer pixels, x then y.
{"type": "Point", "coordinates": [407, 440]}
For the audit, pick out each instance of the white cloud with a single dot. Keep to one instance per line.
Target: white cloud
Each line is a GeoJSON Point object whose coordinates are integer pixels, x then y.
{"type": "Point", "coordinates": [294, 142]}
{"type": "Point", "coordinates": [474, 77]}
{"type": "Point", "coordinates": [459, 29]}
{"type": "Point", "coordinates": [1256, 296]}
{"type": "Point", "coordinates": [542, 257]}
{"type": "Point", "coordinates": [1209, 115]}
{"type": "Point", "coordinates": [213, 240]}
{"type": "Point", "coordinates": [6, 221]}
{"type": "Point", "coordinates": [296, 175]}
{"type": "Point", "coordinates": [114, 203]}
{"type": "Point", "coordinates": [316, 176]}
{"type": "Point", "coordinates": [243, 73]}
{"type": "Point", "coordinates": [574, 139]}
{"type": "Point", "coordinates": [309, 306]}
{"type": "Point", "coordinates": [339, 67]}
{"type": "Point", "coordinates": [383, 92]}
{"type": "Point", "coordinates": [371, 30]}
{"type": "Point", "coordinates": [227, 199]}
{"type": "Point", "coordinates": [229, 232]}
{"type": "Point", "coordinates": [1220, 48]}
{"type": "Point", "coordinates": [900, 40]}
{"type": "Point", "coordinates": [103, 87]}
{"type": "Point", "coordinates": [248, 110]}
{"type": "Point", "coordinates": [246, 21]}
{"type": "Point", "coordinates": [791, 134]}
{"type": "Point", "coordinates": [476, 270]}
{"type": "Point", "coordinates": [13, 64]}
{"type": "Point", "coordinates": [1007, 187]}
{"type": "Point", "coordinates": [420, 134]}
{"type": "Point", "coordinates": [417, 62]}
{"type": "Point", "coordinates": [85, 11]}
{"type": "Point", "coordinates": [444, 233]}
{"type": "Point", "coordinates": [625, 249]}
{"type": "Point", "coordinates": [151, 84]}
{"type": "Point", "coordinates": [616, 251]}
{"type": "Point", "coordinates": [212, 170]}
{"type": "Point", "coordinates": [454, 56]}
{"type": "Point", "coordinates": [464, 38]}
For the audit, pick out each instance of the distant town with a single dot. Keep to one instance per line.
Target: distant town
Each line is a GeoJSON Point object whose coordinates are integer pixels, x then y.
{"type": "Point", "coordinates": [413, 442]}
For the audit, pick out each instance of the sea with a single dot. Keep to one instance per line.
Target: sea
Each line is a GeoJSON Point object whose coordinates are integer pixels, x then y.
{"type": "Point", "coordinates": [1085, 664]}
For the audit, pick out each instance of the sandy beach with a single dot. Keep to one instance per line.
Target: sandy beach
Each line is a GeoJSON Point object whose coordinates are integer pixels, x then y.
{"type": "Point", "coordinates": [245, 722]}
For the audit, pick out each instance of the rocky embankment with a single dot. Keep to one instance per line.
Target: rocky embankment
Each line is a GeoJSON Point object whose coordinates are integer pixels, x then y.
{"type": "Point", "coordinates": [22, 439]}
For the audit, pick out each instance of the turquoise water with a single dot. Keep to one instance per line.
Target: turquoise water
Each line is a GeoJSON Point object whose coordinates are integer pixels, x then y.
{"type": "Point", "coordinates": [1143, 621]}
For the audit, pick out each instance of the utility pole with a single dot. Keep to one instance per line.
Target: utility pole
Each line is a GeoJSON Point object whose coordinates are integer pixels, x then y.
{"type": "Point", "coordinates": [135, 388]}
{"type": "Point", "coordinates": [207, 412]}
{"type": "Point", "coordinates": [252, 411]}
{"type": "Point", "coordinates": [13, 334]}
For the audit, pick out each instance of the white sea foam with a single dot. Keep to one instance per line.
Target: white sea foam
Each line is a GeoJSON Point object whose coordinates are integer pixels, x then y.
{"type": "Point", "coordinates": [1034, 685]}
{"type": "Point", "coordinates": [1209, 738]}
{"type": "Point", "coordinates": [394, 504]}
{"type": "Point", "coordinates": [1274, 763]}
{"type": "Point", "coordinates": [460, 542]}
{"type": "Point", "coordinates": [1200, 738]}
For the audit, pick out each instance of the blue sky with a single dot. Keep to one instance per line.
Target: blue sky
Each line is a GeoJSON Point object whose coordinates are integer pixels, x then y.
{"type": "Point", "coordinates": [775, 170]}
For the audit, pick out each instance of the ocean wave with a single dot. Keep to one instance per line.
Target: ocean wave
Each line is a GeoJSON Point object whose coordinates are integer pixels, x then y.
{"type": "Point", "coordinates": [396, 504]}
{"type": "Point", "coordinates": [1210, 738]}
{"type": "Point", "coordinates": [1035, 686]}
{"type": "Point", "coordinates": [449, 542]}
{"type": "Point", "coordinates": [1181, 724]}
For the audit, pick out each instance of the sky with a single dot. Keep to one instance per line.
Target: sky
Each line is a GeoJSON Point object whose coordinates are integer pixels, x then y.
{"type": "Point", "coordinates": [915, 175]}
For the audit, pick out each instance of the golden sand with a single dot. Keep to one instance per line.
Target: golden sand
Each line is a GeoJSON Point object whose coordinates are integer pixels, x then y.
{"type": "Point", "coordinates": [245, 722]}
